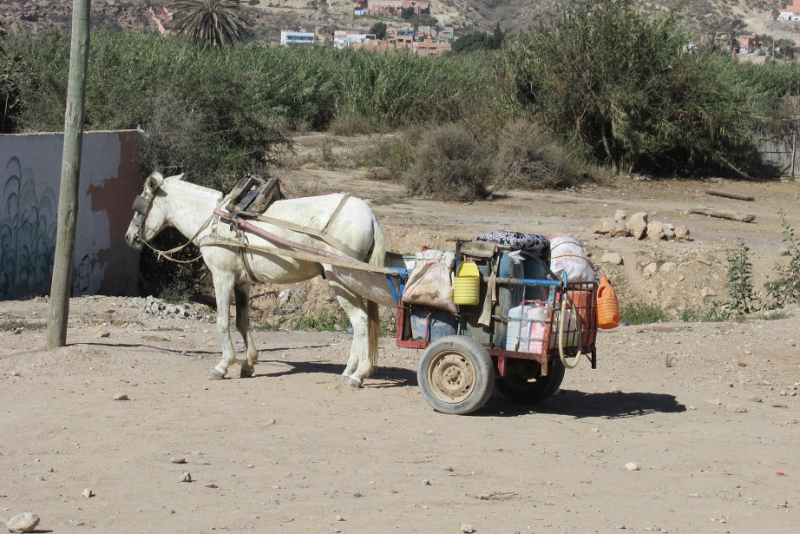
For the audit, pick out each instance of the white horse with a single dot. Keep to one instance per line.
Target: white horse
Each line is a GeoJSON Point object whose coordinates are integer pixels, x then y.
{"type": "Point", "coordinates": [348, 222]}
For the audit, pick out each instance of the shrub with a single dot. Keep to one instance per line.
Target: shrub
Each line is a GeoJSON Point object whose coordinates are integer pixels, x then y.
{"type": "Point", "coordinates": [642, 313]}
{"type": "Point", "coordinates": [740, 281]}
{"type": "Point", "coordinates": [785, 289]}
{"type": "Point", "coordinates": [449, 164]}
{"type": "Point", "coordinates": [528, 158]}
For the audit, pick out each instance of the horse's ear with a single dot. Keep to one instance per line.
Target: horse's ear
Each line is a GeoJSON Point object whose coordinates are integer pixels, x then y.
{"type": "Point", "coordinates": [154, 181]}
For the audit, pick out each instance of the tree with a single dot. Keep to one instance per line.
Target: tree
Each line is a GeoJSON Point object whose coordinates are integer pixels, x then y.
{"type": "Point", "coordinates": [378, 29]}
{"type": "Point", "coordinates": [471, 42]}
{"type": "Point", "coordinates": [407, 13]}
{"type": "Point", "coordinates": [495, 42]}
{"type": "Point", "coordinates": [625, 87]}
{"type": "Point", "coordinates": [211, 22]}
{"type": "Point", "coordinates": [10, 103]}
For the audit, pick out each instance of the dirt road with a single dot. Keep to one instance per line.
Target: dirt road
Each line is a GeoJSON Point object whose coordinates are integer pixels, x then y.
{"type": "Point", "coordinates": [707, 411]}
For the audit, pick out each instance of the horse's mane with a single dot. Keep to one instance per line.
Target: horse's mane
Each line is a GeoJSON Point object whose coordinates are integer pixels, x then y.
{"type": "Point", "coordinates": [211, 193]}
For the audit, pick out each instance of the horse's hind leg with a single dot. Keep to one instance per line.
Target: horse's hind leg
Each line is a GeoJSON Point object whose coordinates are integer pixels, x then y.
{"type": "Point", "coordinates": [359, 365]}
{"type": "Point", "coordinates": [242, 294]}
{"type": "Point", "coordinates": [223, 287]}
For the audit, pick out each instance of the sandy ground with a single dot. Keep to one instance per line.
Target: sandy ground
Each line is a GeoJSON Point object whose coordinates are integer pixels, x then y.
{"type": "Point", "coordinates": [708, 411]}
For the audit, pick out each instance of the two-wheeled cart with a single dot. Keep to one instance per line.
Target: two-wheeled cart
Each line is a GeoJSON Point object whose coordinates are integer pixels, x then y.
{"type": "Point", "coordinates": [526, 327]}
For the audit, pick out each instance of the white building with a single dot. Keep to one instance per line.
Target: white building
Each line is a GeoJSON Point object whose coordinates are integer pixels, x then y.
{"type": "Point", "coordinates": [789, 13]}
{"type": "Point", "coordinates": [289, 37]}
{"type": "Point", "coordinates": [346, 38]}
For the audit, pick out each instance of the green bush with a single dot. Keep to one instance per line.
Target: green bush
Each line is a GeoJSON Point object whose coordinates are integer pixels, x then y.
{"type": "Point", "coordinates": [449, 164]}
{"type": "Point", "coordinates": [785, 288]}
{"type": "Point", "coordinates": [634, 313]}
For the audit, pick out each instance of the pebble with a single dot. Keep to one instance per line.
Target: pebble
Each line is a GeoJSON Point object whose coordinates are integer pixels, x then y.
{"type": "Point", "coordinates": [24, 522]}
{"type": "Point", "coordinates": [754, 398]}
{"type": "Point", "coordinates": [426, 482]}
{"type": "Point", "coordinates": [177, 460]}
{"type": "Point", "coordinates": [212, 486]}
{"type": "Point", "coordinates": [76, 522]}
{"type": "Point", "coordinates": [121, 397]}
{"type": "Point", "coordinates": [87, 493]}
{"type": "Point", "coordinates": [632, 466]}
{"type": "Point", "coordinates": [715, 402]}
{"type": "Point", "coordinates": [102, 333]}
{"type": "Point", "coordinates": [339, 518]}
{"type": "Point", "coordinates": [446, 468]}
{"type": "Point", "coordinates": [186, 477]}
{"type": "Point", "coordinates": [466, 527]}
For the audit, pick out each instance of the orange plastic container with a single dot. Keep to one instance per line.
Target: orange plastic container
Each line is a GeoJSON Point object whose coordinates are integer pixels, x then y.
{"type": "Point", "coordinates": [607, 306]}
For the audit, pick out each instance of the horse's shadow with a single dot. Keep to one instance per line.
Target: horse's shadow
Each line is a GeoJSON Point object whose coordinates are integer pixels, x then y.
{"type": "Point", "coordinates": [579, 404]}
{"type": "Point", "coordinates": [386, 377]}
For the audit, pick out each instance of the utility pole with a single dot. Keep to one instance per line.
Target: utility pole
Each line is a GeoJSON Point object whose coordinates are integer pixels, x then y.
{"type": "Point", "coordinates": [58, 313]}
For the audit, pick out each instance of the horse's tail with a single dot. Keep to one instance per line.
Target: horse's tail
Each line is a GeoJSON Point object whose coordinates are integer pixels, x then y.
{"type": "Point", "coordinates": [373, 332]}
{"type": "Point", "coordinates": [378, 257]}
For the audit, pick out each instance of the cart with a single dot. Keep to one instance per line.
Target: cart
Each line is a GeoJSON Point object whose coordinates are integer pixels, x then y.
{"type": "Point", "coordinates": [521, 340]}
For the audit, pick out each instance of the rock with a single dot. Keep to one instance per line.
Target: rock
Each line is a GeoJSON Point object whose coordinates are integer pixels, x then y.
{"type": "Point", "coordinates": [466, 527]}
{"type": "Point", "coordinates": [603, 226]}
{"type": "Point", "coordinates": [24, 522]}
{"type": "Point", "coordinates": [447, 468]}
{"type": "Point", "coordinates": [637, 225]}
{"type": "Point", "coordinates": [611, 257]}
{"type": "Point", "coordinates": [754, 398]}
{"type": "Point", "coordinates": [655, 231]}
{"type": "Point", "coordinates": [632, 466]}
{"type": "Point", "coordinates": [212, 486]}
{"type": "Point", "coordinates": [177, 460]}
{"type": "Point", "coordinates": [682, 232]}
{"type": "Point", "coordinates": [619, 230]}
{"type": "Point", "coordinates": [121, 397]}
{"type": "Point", "coordinates": [714, 402]}
{"type": "Point", "coordinates": [669, 230]}
{"type": "Point", "coordinates": [88, 493]}
{"type": "Point", "coordinates": [186, 477]}
{"type": "Point", "coordinates": [707, 292]}
{"type": "Point", "coordinates": [426, 482]}
{"type": "Point", "coordinates": [620, 216]}
{"type": "Point", "coordinates": [667, 267]}
{"type": "Point", "coordinates": [650, 269]}
{"type": "Point", "coordinates": [102, 333]}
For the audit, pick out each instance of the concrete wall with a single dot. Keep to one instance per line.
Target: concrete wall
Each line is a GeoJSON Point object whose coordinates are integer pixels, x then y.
{"type": "Point", "coordinates": [30, 176]}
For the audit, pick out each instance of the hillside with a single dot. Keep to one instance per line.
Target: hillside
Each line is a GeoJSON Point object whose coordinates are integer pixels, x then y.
{"type": "Point", "coordinates": [268, 17]}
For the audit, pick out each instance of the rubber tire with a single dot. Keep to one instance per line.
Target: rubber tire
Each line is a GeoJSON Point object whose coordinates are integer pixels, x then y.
{"type": "Point", "coordinates": [532, 392]}
{"type": "Point", "coordinates": [473, 356]}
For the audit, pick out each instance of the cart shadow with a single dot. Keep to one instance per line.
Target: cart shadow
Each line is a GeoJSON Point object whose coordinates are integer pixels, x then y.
{"type": "Point", "coordinates": [578, 404]}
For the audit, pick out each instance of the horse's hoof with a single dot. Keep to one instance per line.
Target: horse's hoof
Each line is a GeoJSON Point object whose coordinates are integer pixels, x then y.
{"type": "Point", "coordinates": [247, 371]}
{"type": "Point", "coordinates": [216, 375]}
{"type": "Point", "coordinates": [344, 379]}
{"type": "Point", "coordinates": [352, 383]}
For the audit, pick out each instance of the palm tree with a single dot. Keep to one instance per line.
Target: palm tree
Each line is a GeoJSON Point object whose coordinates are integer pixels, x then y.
{"type": "Point", "coordinates": [211, 22]}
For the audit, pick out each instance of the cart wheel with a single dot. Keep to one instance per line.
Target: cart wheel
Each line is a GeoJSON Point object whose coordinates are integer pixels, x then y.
{"type": "Point", "coordinates": [456, 375]}
{"type": "Point", "coordinates": [517, 386]}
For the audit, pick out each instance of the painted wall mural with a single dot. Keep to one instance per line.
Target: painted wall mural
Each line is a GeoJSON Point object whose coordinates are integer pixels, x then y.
{"type": "Point", "coordinates": [30, 172]}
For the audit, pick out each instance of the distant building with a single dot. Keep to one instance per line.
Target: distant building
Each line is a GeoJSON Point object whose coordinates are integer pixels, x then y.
{"type": "Point", "coordinates": [388, 7]}
{"type": "Point", "coordinates": [290, 37]}
{"type": "Point", "coordinates": [789, 13]}
{"type": "Point", "coordinates": [361, 8]}
{"type": "Point", "coordinates": [351, 38]}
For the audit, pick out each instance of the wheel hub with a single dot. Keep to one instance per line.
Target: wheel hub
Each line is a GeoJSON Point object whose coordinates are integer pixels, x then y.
{"type": "Point", "coordinates": [452, 377]}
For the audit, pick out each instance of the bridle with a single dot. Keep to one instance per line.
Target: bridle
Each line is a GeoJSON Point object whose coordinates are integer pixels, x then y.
{"type": "Point", "coordinates": [141, 206]}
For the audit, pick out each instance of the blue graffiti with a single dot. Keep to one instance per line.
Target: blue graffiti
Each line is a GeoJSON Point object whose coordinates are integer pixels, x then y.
{"type": "Point", "coordinates": [27, 234]}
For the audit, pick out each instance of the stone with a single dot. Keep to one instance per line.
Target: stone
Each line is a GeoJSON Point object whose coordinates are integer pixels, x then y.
{"type": "Point", "coordinates": [121, 397]}
{"type": "Point", "coordinates": [783, 252]}
{"type": "Point", "coordinates": [754, 398]}
{"type": "Point", "coordinates": [669, 230]}
{"type": "Point", "coordinates": [24, 522]}
{"type": "Point", "coordinates": [619, 230]}
{"type": "Point", "coordinates": [632, 466]}
{"type": "Point", "coordinates": [466, 527]}
{"type": "Point", "coordinates": [102, 333]}
{"type": "Point", "coordinates": [637, 225]}
{"type": "Point", "coordinates": [707, 292]}
{"type": "Point", "coordinates": [714, 402]}
{"type": "Point", "coordinates": [620, 216]}
{"type": "Point", "coordinates": [177, 460]}
{"type": "Point", "coordinates": [611, 257]}
{"type": "Point", "coordinates": [655, 231]}
{"type": "Point", "coordinates": [603, 226]}
{"type": "Point", "coordinates": [667, 267]}
{"type": "Point", "coordinates": [650, 269]}
{"type": "Point", "coordinates": [682, 232]}
{"type": "Point", "coordinates": [186, 477]}
{"type": "Point", "coordinates": [88, 493]}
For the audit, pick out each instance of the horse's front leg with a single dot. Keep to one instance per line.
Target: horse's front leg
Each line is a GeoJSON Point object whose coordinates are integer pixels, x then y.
{"type": "Point", "coordinates": [223, 287]}
{"type": "Point", "coordinates": [242, 294]}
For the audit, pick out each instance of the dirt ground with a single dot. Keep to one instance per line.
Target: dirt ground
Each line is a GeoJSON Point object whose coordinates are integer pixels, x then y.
{"type": "Point", "coordinates": [708, 411]}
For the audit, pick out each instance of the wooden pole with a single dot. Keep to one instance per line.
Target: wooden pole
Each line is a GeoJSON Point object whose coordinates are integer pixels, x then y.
{"type": "Point", "coordinates": [58, 313]}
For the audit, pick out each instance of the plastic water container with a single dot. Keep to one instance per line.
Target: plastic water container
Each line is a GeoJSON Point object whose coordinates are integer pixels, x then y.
{"type": "Point", "coordinates": [526, 327]}
{"type": "Point", "coordinates": [467, 285]}
{"type": "Point", "coordinates": [607, 306]}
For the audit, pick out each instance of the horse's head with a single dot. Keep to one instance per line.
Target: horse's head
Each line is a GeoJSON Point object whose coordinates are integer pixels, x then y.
{"type": "Point", "coordinates": [149, 217]}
